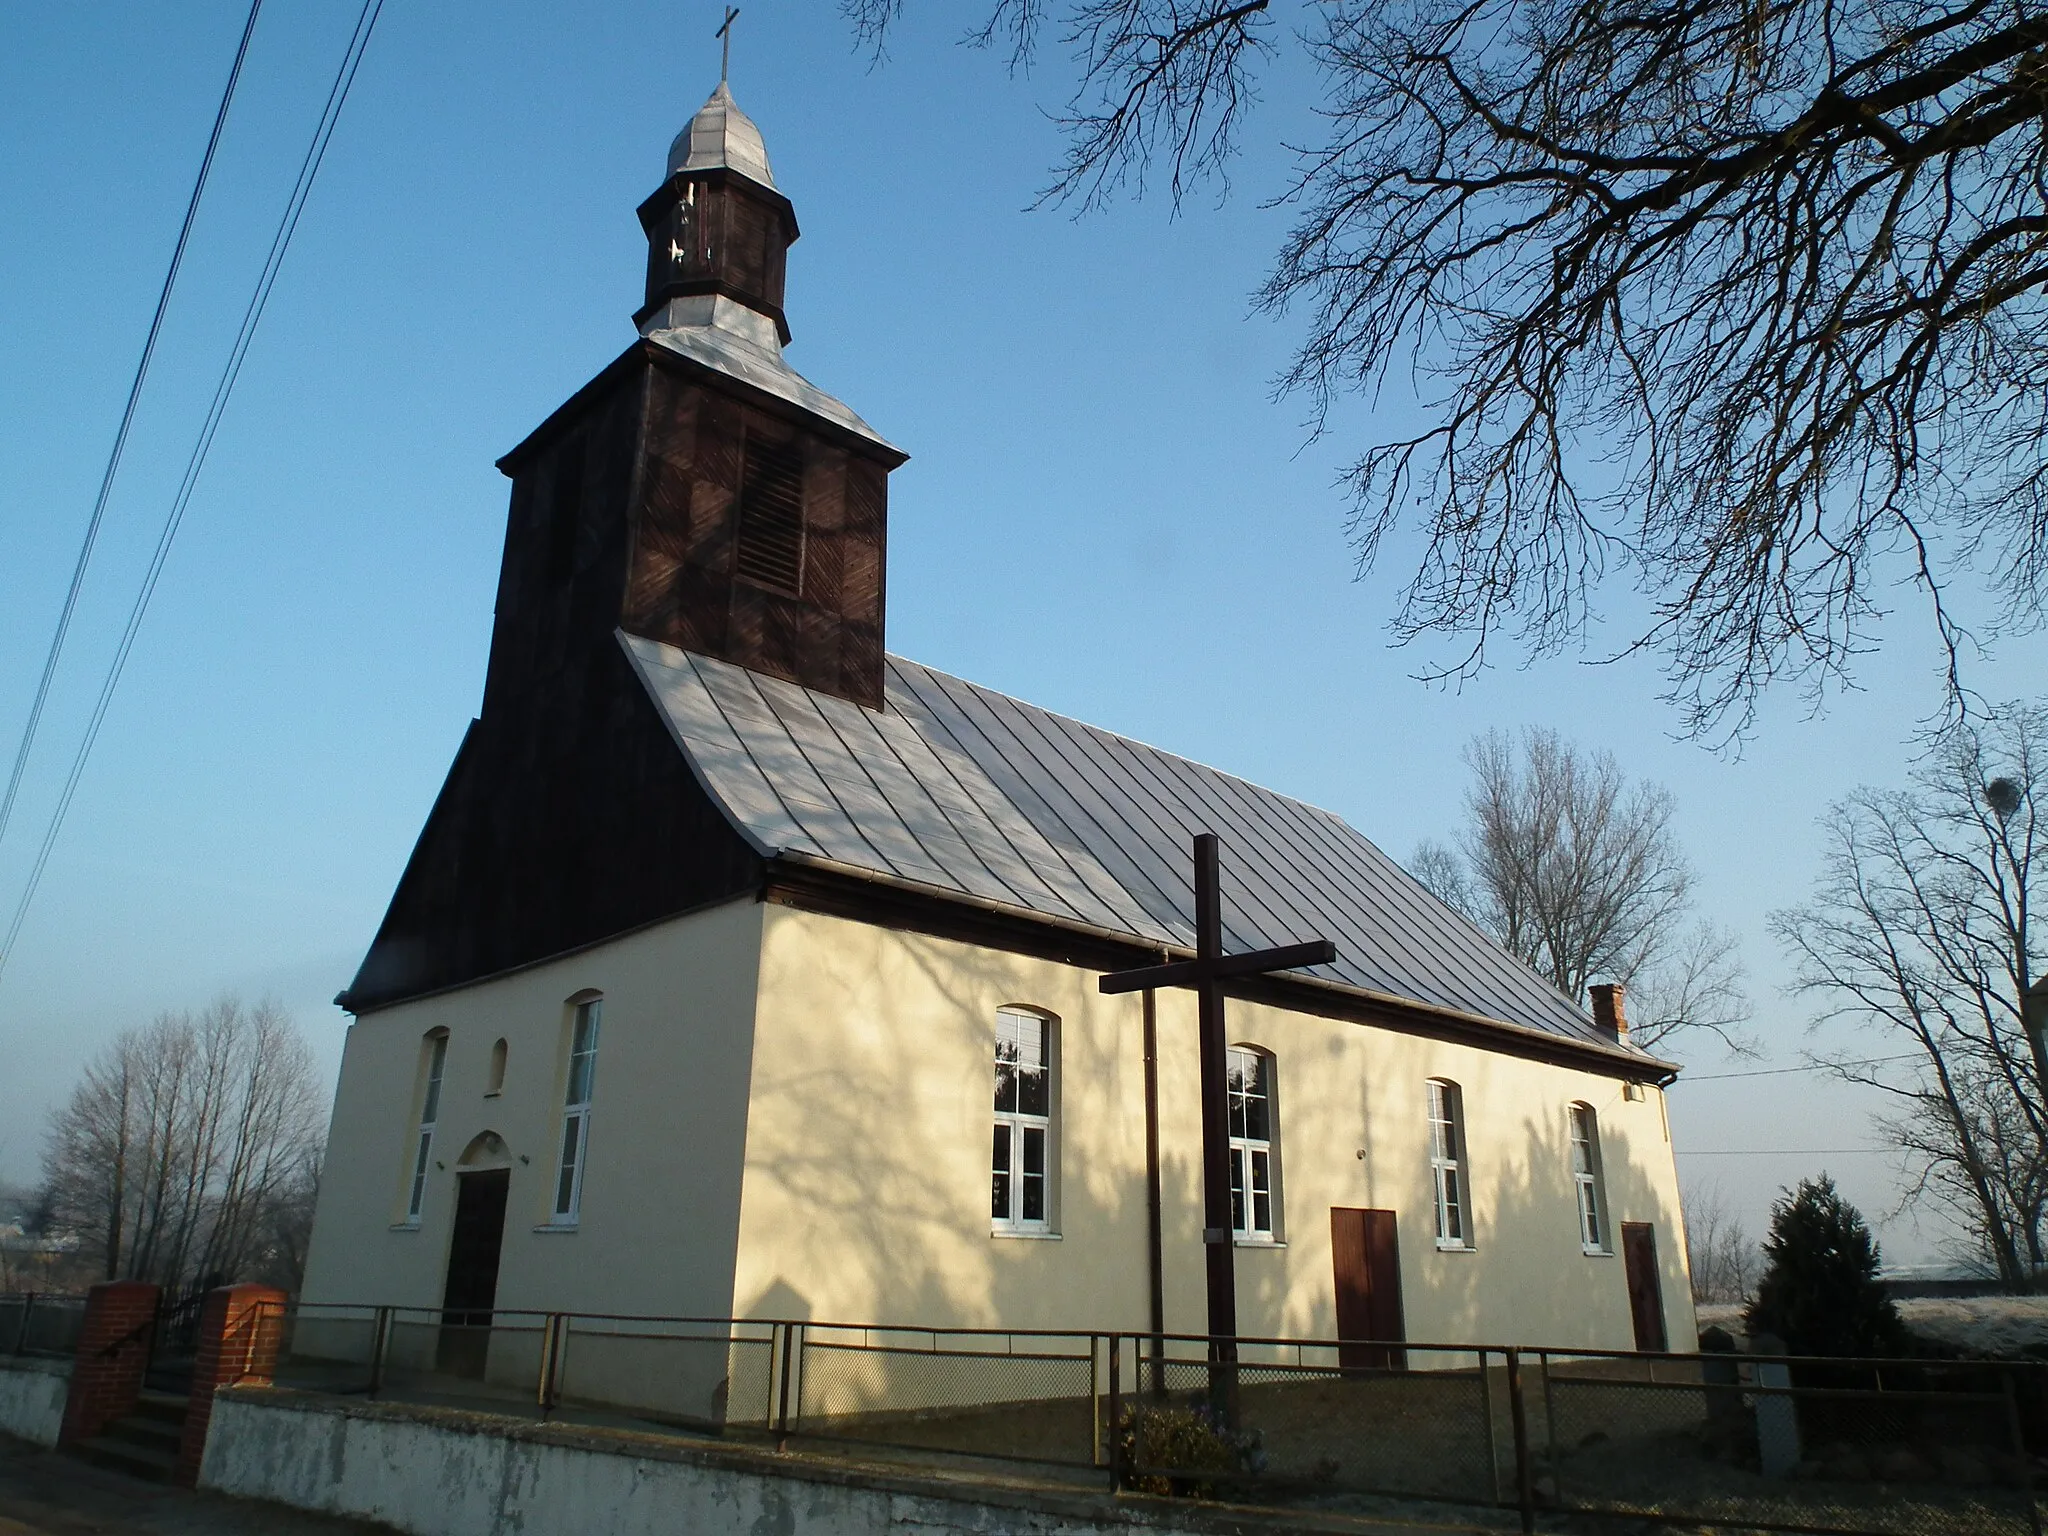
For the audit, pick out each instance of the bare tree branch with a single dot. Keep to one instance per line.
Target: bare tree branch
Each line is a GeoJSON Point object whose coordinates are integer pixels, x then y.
{"type": "Point", "coordinates": [1579, 874]}
{"type": "Point", "coordinates": [1724, 1259]}
{"type": "Point", "coordinates": [188, 1150]}
{"type": "Point", "coordinates": [1921, 923]}
{"type": "Point", "coordinates": [1742, 303]}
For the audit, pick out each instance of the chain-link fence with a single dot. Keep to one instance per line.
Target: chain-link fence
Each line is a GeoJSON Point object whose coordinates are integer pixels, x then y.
{"type": "Point", "coordinates": [1020, 1396]}
{"type": "Point", "coordinates": [1903, 1448]}
{"type": "Point", "coordinates": [32, 1323]}
{"type": "Point", "coordinates": [710, 1374]}
{"type": "Point", "coordinates": [326, 1349]}
{"type": "Point", "coordinates": [1290, 1420]}
{"type": "Point", "coordinates": [1508, 1436]}
{"type": "Point", "coordinates": [690, 1373]}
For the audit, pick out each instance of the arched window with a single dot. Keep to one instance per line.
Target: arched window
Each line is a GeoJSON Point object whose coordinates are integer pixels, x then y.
{"type": "Point", "coordinates": [1020, 1182]}
{"type": "Point", "coordinates": [433, 1061]}
{"type": "Point", "coordinates": [496, 1083]}
{"type": "Point", "coordinates": [1447, 1164]}
{"type": "Point", "coordinates": [1585, 1127]}
{"type": "Point", "coordinates": [580, 1084]}
{"type": "Point", "coordinates": [1251, 1143]}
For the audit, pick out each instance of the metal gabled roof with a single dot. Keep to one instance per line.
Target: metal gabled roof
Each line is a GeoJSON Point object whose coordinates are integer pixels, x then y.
{"type": "Point", "coordinates": [971, 793]}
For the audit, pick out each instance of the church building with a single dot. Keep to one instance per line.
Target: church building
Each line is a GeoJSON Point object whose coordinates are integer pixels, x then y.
{"type": "Point", "coordinates": [744, 969]}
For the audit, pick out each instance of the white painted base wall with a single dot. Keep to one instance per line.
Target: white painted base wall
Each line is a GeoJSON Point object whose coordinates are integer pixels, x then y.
{"type": "Point", "coordinates": [32, 1397]}
{"type": "Point", "coordinates": [438, 1472]}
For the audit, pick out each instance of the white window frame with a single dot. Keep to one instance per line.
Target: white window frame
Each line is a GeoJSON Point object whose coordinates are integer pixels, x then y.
{"type": "Point", "coordinates": [430, 1113]}
{"type": "Point", "coordinates": [1251, 1155]}
{"type": "Point", "coordinates": [1449, 1174]}
{"type": "Point", "coordinates": [1017, 1129]}
{"type": "Point", "coordinates": [579, 1085]}
{"type": "Point", "coordinates": [1588, 1187]}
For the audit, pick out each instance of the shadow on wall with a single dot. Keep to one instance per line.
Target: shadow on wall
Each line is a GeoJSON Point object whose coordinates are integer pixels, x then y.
{"type": "Point", "coordinates": [879, 1150]}
{"type": "Point", "coordinates": [874, 1149]}
{"type": "Point", "coordinates": [1528, 1280]}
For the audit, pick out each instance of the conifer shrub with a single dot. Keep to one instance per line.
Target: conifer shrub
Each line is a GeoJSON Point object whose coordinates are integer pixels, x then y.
{"type": "Point", "coordinates": [1820, 1291]}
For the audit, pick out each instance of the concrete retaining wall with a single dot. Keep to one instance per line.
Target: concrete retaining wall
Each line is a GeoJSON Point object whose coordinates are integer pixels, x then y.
{"type": "Point", "coordinates": [32, 1394]}
{"type": "Point", "coordinates": [444, 1472]}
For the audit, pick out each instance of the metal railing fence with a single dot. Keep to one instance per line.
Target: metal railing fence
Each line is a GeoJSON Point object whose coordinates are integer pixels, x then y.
{"type": "Point", "coordinates": [40, 1323]}
{"type": "Point", "coordinates": [1839, 1448]}
{"type": "Point", "coordinates": [1896, 1447]}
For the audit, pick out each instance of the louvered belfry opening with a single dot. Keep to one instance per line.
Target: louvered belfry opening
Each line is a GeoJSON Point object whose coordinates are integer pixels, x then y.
{"type": "Point", "coordinates": [771, 522]}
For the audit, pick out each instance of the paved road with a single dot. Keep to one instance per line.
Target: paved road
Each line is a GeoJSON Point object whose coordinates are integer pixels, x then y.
{"type": "Point", "coordinates": [44, 1494]}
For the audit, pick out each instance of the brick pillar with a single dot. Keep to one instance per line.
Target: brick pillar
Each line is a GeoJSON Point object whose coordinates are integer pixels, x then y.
{"type": "Point", "coordinates": [113, 1354]}
{"type": "Point", "coordinates": [239, 1331]}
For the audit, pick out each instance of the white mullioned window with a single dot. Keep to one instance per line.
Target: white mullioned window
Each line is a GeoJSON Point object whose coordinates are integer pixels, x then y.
{"type": "Point", "coordinates": [581, 1080]}
{"type": "Point", "coordinates": [1586, 1176]}
{"type": "Point", "coordinates": [1020, 1184]}
{"type": "Point", "coordinates": [1251, 1144]}
{"type": "Point", "coordinates": [430, 1112]}
{"type": "Point", "coordinates": [1447, 1164]}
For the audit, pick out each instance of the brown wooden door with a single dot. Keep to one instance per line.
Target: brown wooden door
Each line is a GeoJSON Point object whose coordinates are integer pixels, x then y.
{"type": "Point", "coordinates": [472, 1286]}
{"type": "Point", "coordinates": [1366, 1254]}
{"type": "Point", "coordinates": [1645, 1291]}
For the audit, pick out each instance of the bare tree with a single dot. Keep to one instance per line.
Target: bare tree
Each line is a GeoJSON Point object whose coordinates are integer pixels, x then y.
{"type": "Point", "coordinates": [1921, 927]}
{"type": "Point", "coordinates": [1725, 1260]}
{"type": "Point", "coordinates": [1741, 302]}
{"type": "Point", "coordinates": [184, 1144]}
{"type": "Point", "coordinates": [1578, 873]}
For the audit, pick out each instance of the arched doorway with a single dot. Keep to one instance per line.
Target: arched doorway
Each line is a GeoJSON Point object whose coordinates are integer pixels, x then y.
{"type": "Point", "coordinates": [483, 1180]}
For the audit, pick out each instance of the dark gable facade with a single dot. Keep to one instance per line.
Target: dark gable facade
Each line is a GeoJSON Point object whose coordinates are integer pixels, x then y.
{"type": "Point", "coordinates": [695, 497]}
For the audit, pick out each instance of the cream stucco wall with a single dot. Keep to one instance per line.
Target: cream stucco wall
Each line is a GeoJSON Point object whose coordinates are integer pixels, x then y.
{"type": "Point", "coordinates": [865, 1193]}
{"type": "Point", "coordinates": [660, 1195]}
{"type": "Point", "coordinates": [792, 1119]}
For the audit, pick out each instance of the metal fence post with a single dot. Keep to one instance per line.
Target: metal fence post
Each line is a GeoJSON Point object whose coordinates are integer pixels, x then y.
{"type": "Point", "coordinates": [2019, 1451]}
{"type": "Point", "coordinates": [789, 1348]}
{"type": "Point", "coordinates": [380, 1342]}
{"type": "Point", "coordinates": [28, 1306]}
{"type": "Point", "coordinates": [1113, 1441]}
{"type": "Point", "coordinates": [550, 1351]}
{"type": "Point", "coordinates": [1492, 1435]}
{"type": "Point", "coordinates": [1550, 1427]}
{"type": "Point", "coordinates": [1525, 1479]}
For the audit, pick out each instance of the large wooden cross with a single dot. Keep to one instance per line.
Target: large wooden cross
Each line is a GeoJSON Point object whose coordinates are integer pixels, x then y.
{"type": "Point", "coordinates": [1206, 973]}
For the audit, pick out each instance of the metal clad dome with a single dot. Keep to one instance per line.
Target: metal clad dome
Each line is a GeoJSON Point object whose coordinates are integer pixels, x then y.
{"type": "Point", "coordinates": [721, 135]}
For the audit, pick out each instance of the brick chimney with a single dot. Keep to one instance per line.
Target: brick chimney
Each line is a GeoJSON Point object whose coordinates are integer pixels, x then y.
{"type": "Point", "coordinates": [1608, 1011]}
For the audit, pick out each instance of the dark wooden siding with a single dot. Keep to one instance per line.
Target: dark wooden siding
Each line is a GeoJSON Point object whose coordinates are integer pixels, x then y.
{"type": "Point", "coordinates": [559, 825]}
{"type": "Point", "coordinates": [713, 231]}
{"type": "Point", "coordinates": [685, 587]}
{"type": "Point", "coordinates": [570, 813]}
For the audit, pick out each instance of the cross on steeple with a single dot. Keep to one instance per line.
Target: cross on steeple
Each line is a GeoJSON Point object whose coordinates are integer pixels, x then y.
{"type": "Point", "coordinates": [724, 36]}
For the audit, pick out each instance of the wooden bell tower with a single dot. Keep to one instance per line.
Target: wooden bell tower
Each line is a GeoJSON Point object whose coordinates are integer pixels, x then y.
{"type": "Point", "coordinates": [698, 492]}
{"type": "Point", "coordinates": [718, 229]}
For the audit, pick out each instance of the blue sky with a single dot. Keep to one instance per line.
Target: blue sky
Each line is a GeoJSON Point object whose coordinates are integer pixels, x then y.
{"type": "Point", "coordinates": [1106, 511]}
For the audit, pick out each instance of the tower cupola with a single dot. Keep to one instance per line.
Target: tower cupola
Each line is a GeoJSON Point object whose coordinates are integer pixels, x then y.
{"type": "Point", "coordinates": [717, 229]}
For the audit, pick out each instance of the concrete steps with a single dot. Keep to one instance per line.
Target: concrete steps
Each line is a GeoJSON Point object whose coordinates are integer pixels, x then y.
{"type": "Point", "coordinates": [144, 1444]}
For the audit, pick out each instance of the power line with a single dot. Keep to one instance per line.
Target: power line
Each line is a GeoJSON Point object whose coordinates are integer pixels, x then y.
{"type": "Point", "coordinates": [1818, 1066]}
{"type": "Point", "coordinates": [99, 506]}
{"type": "Point", "coordinates": [309, 168]}
{"type": "Point", "coordinates": [1778, 1151]}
